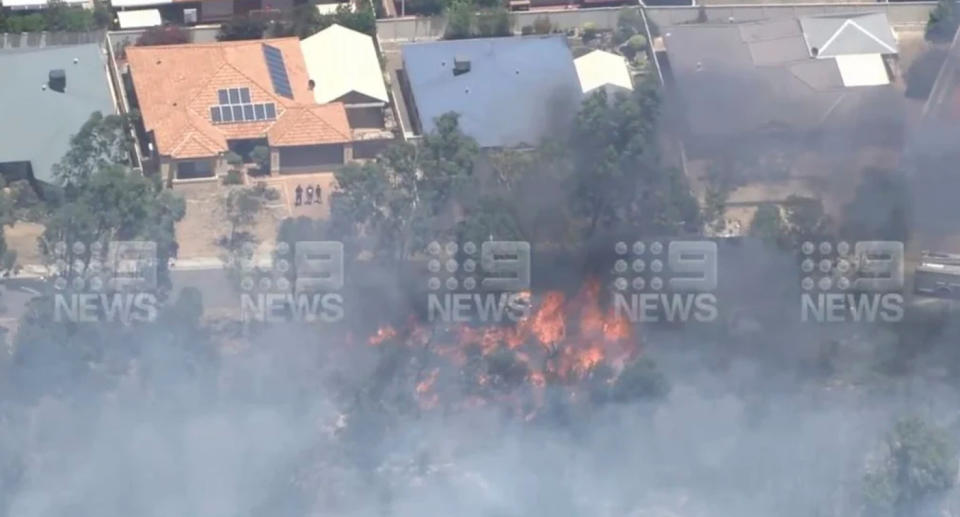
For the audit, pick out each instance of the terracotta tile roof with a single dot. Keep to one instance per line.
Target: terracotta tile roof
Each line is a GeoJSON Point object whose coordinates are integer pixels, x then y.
{"type": "Point", "coordinates": [317, 124]}
{"type": "Point", "coordinates": [177, 84]}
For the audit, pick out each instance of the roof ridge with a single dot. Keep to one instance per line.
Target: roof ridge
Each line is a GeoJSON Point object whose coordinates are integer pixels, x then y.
{"type": "Point", "coordinates": [219, 44]}
{"type": "Point", "coordinates": [849, 22]}
{"type": "Point", "coordinates": [306, 110]}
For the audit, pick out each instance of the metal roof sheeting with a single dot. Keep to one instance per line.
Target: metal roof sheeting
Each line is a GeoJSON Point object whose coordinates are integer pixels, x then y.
{"type": "Point", "coordinates": [341, 61]}
{"type": "Point", "coordinates": [518, 90]}
{"type": "Point", "coordinates": [862, 70]}
{"type": "Point", "coordinates": [139, 18]}
{"type": "Point", "coordinates": [44, 119]}
{"type": "Point", "coordinates": [600, 68]}
{"type": "Point", "coordinates": [845, 35]}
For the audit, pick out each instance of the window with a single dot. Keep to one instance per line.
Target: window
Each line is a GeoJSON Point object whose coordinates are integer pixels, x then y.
{"type": "Point", "coordinates": [194, 169]}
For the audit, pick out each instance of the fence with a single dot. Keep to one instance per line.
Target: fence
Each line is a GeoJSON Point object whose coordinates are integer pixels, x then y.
{"type": "Point", "coordinates": [900, 14]}
{"type": "Point", "coordinates": [48, 39]}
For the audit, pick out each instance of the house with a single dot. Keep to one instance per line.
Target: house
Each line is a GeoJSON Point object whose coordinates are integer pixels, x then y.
{"type": "Point", "coordinates": [509, 92]}
{"type": "Point", "coordinates": [344, 67]}
{"type": "Point", "coordinates": [602, 69]}
{"type": "Point", "coordinates": [46, 95]}
{"type": "Point", "coordinates": [200, 101]}
{"type": "Point", "coordinates": [789, 80]}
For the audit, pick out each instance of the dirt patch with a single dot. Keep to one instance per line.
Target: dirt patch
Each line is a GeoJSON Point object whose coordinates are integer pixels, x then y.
{"type": "Point", "coordinates": [205, 221]}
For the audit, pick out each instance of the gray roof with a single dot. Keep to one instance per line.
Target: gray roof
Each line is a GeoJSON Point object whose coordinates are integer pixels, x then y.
{"type": "Point", "coordinates": [38, 122]}
{"type": "Point", "coordinates": [854, 34]}
{"type": "Point", "coordinates": [735, 79]}
{"type": "Point", "coordinates": [518, 90]}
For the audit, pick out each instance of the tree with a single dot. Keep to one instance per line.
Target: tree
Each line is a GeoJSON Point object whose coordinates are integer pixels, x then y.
{"type": "Point", "coordinates": [410, 192]}
{"type": "Point", "coordinates": [103, 141]}
{"type": "Point", "coordinates": [241, 28]}
{"type": "Point", "coordinates": [115, 203]}
{"type": "Point", "coordinates": [918, 463]}
{"type": "Point", "coordinates": [494, 22]}
{"type": "Point", "coordinates": [943, 22]}
{"type": "Point", "coordinates": [619, 179]}
{"type": "Point", "coordinates": [768, 223]}
{"type": "Point", "coordinates": [242, 206]}
{"type": "Point", "coordinates": [805, 220]}
{"type": "Point", "coordinates": [304, 20]}
{"type": "Point", "coordinates": [163, 35]}
{"type": "Point", "coordinates": [461, 18]}
{"type": "Point", "coordinates": [104, 200]}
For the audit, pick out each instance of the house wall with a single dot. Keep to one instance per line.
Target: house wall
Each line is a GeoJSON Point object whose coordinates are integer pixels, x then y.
{"type": "Point", "coordinates": [310, 158]}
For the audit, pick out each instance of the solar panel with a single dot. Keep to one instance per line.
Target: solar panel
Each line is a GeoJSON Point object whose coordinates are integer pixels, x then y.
{"type": "Point", "coordinates": [245, 95]}
{"type": "Point", "coordinates": [227, 114]}
{"type": "Point", "coordinates": [278, 71]}
{"type": "Point", "coordinates": [248, 112]}
{"type": "Point", "coordinates": [237, 113]}
{"type": "Point", "coordinates": [215, 113]}
{"type": "Point", "coordinates": [234, 96]}
{"type": "Point", "coordinates": [222, 96]}
{"type": "Point", "coordinates": [259, 111]}
{"type": "Point", "coordinates": [271, 110]}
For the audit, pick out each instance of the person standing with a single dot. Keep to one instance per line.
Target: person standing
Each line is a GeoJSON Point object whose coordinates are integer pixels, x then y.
{"type": "Point", "coordinates": [309, 194]}
{"type": "Point", "coordinates": [298, 199]}
{"type": "Point", "coordinates": [319, 193]}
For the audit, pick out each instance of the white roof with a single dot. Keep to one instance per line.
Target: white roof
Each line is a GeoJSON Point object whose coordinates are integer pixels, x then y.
{"type": "Point", "coordinates": [862, 70]}
{"type": "Point", "coordinates": [137, 3]}
{"type": "Point", "coordinates": [140, 18]}
{"type": "Point", "coordinates": [35, 4]}
{"type": "Point", "coordinates": [332, 8]}
{"type": "Point", "coordinates": [341, 61]}
{"type": "Point", "coordinates": [600, 68]}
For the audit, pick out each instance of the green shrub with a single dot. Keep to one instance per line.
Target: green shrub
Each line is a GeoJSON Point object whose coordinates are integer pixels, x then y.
{"type": "Point", "coordinates": [234, 177]}
{"type": "Point", "coordinates": [261, 156]}
{"type": "Point", "coordinates": [460, 20]}
{"type": "Point", "coordinates": [494, 22]}
{"type": "Point", "coordinates": [589, 32]}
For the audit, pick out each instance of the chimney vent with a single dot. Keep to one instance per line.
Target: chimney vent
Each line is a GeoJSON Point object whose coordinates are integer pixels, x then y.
{"type": "Point", "coordinates": [461, 65]}
{"type": "Point", "coordinates": [311, 84]}
{"type": "Point", "coordinates": [58, 80]}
